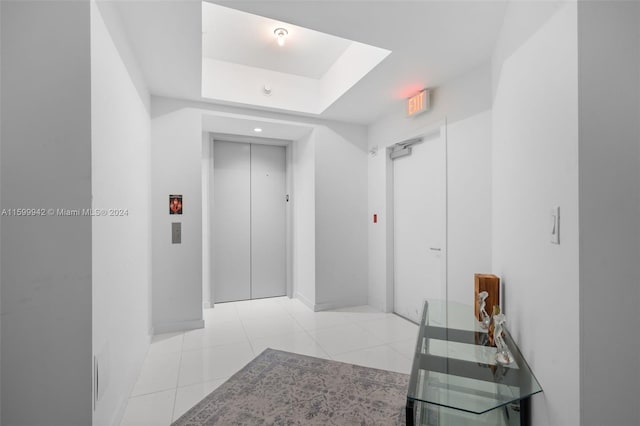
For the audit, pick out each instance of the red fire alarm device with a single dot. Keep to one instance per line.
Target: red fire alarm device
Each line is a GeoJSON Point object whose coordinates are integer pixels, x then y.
{"type": "Point", "coordinates": [375, 218]}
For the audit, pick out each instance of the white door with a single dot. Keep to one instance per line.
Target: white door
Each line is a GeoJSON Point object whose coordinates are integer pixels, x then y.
{"type": "Point", "coordinates": [419, 209]}
{"type": "Point", "coordinates": [268, 192]}
{"type": "Point", "coordinates": [248, 221]}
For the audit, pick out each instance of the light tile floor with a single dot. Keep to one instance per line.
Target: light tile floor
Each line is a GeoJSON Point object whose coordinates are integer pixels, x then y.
{"type": "Point", "coordinates": [182, 368]}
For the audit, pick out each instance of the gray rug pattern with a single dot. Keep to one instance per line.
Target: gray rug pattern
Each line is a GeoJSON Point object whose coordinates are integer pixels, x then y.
{"type": "Point", "coordinates": [283, 388]}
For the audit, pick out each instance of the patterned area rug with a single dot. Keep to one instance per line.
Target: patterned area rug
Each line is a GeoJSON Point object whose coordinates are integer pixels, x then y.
{"type": "Point", "coordinates": [282, 388]}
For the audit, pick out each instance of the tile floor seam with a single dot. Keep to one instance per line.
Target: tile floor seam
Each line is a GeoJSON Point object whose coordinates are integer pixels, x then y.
{"type": "Point", "coordinates": [364, 331]}
{"type": "Point", "coordinates": [149, 393]}
{"type": "Point", "coordinates": [329, 353]}
{"type": "Point", "coordinates": [146, 356]}
{"type": "Point", "coordinates": [401, 340]}
{"type": "Point", "coordinates": [288, 314]}
{"type": "Point", "coordinates": [202, 380]}
{"type": "Point", "coordinates": [351, 322]}
{"type": "Point", "coordinates": [360, 327]}
{"type": "Point", "coordinates": [313, 339]}
{"type": "Point", "coordinates": [175, 395]}
{"type": "Point", "coordinates": [246, 335]}
{"type": "Point", "coordinates": [213, 346]}
{"type": "Point", "coordinates": [398, 352]}
{"type": "Point", "coordinates": [162, 389]}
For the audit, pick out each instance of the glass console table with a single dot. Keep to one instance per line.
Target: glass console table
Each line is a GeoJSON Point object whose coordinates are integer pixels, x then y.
{"type": "Point", "coordinates": [455, 379]}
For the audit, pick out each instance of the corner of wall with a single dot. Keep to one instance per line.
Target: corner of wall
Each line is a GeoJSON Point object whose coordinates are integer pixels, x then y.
{"type": "Point", "coordinates": [120, 167]}
{"type": "Point", "coordinates": [304, 219]}
{"type": "Point", "coordinates": [609, 159]}
{"type": "Point", "coordinates": [113, 22]}
{"type": "Point", "coordinates": [533, 127]}
{"type": "Point", "coordinates": [46, 260]}
{"type": "Point", "coordinates": [341, 216]}
{"type": "Point", "coordinates": [1, 310]}
{"type": "Point", "coordinates": [207, 214]}
{"type": "Point", "coordinates": [522, 20]}
{"type": "Point", "coordinates": [176, 168]}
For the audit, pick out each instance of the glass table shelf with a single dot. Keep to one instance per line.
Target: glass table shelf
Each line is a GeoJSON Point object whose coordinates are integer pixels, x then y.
{"type": "Point", "coordinates": [455, 368]}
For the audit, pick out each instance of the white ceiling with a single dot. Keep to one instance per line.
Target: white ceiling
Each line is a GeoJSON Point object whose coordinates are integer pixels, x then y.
{"type": "Point", "coordinates": [243, 38]}
{"type": "Point", "coordinates": [242, 59]}
{"type": "Point", "coordinates": [243, 126]}
{"type": "Point", "coordinates": [431, 42]}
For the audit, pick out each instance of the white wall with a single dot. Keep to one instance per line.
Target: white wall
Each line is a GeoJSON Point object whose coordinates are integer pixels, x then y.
{"type": "Point", "coordinates": [461, 98]}
{"type": "Point", "coordinates": [1, 312]}
{"type": "Point", "coordinates": [176, 167]}
{"type": "Point", "coordinates": [46, 261]}
{"type": "Point", "coordinates": [535, 167]}
{"type": "Point", "coordinates": [207, 242]}
{"type": "Point", "coordinates": [340, 216]}
{"type": "Point", "coordinates": [469, 204]}
{"type": "Point", "coordinates": [304, 219]}
{"type": "Point", "coordinates": [522, 19]}
{"type": "Point", "coordinates": [121, 245]}
{"type": "Point", "coordinates": [609, 59]}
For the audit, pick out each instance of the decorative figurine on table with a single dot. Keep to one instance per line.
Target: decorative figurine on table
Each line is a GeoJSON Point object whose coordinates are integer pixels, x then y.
{"type": "Point", "coordinates": [503, 356]}
{"type": "Point", "coordinates": [485, 319]}
{"type": "Point", "coordinates": [492, 325]}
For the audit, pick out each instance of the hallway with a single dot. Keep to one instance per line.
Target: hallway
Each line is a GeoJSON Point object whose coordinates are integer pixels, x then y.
{"type": "Point", "coordinates": [182, 368]}
{"type": "Point", "coordinates": [111, 109]}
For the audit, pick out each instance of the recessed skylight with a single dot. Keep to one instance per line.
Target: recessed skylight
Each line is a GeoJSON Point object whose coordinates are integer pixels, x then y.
{"type": "Point", "coordinates": [240, 51]}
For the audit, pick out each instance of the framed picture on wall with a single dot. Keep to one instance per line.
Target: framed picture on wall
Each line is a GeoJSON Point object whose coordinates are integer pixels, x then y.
{"type": "Point", "coordinates": [175, 204]}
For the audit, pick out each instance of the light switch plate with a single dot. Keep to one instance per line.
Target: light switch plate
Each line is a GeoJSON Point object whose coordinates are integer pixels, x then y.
{"type": "Point", "coordinates": [555, 225]}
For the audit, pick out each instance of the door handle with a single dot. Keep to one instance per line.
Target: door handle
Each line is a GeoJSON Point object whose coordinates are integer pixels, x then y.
{"type": "Point", "coordinates": [435, 249]}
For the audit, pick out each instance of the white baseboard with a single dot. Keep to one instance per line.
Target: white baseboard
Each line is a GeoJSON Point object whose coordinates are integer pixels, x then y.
{"type": "Point", "coordinates": [375, 303]}
{"type": "Point", "coordinates": [336, 305]}
{"type": "Point", "coordinates": [325, 306]}
{"type": "Point", "coordinates": [331, 305]}
{"type": "Point", "coordinates": [305, 301]}
{"type": "Point", "coordinates": [177, 326]}
{"type": "Point", "coordinates": [316, 307]}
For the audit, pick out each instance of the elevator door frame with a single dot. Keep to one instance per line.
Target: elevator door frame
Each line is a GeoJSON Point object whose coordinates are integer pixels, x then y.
{"type": "Point", "coordinates": [209, 218]}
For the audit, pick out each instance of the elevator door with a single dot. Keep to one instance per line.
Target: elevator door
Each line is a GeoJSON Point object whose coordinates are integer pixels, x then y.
{"type": "Point", "coordinates": [419, 209]}
{"type": "Point", "coordinates": [249, 221]}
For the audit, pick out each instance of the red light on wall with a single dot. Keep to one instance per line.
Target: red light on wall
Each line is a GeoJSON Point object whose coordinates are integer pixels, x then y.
{"type": "Point", "coordinates": [375, 218]}
{"type": "Point", "coordinates": [418, 103]}
{"type": "Point", "coordinates": [408, 90]}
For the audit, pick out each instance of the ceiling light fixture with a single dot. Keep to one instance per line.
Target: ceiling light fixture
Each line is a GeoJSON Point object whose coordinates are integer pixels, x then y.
{"type": "Point", "coordinates": [281, 34]}
{"type": "Point", "coordinates": [257, 130]}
